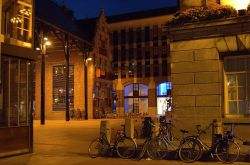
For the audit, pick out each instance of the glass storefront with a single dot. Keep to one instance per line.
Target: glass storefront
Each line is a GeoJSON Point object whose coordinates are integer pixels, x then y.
{"type": "Point", "coordinates": [14, 96]}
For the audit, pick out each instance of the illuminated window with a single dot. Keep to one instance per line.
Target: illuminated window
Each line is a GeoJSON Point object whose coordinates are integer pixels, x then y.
{"type": "Point", "coordinates": [17, 19]}
{"type": "Point", "coordinates": [59, 87]}
{"type": "Point", "coordinates": [136, 98]}
{"type": "Point", "coordinates": [164, 98]}
{"type": "Point", "coordinates": [237, 85]}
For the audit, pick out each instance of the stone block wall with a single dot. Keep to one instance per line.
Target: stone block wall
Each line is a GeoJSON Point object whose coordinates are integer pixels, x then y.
{"type": "Point", "coordinates": [197, 82]}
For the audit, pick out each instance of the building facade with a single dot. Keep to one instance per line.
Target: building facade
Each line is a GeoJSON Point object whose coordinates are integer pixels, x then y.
{"type": "Point", "coordinates": [17, 56]}
{"type": "Point", "coordinates": [89, 83]}
{"type": "Point", "coordinates": [101, 96]}
{"type": "Point", "coordinates": [140, 58]}
{"type": "Point", "coordinates": [209, 72]}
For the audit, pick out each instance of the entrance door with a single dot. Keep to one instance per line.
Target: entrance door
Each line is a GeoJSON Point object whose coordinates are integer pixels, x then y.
{"type": "Point", "coordinates": [164, 99]}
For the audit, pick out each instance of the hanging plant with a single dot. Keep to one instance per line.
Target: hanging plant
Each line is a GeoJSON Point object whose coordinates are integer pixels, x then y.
{"type": "Point", "coordinates": [198, 14]}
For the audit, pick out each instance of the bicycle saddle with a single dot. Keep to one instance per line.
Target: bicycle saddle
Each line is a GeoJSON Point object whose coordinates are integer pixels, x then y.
{"type": "Point", "coordinates": [183, 131]}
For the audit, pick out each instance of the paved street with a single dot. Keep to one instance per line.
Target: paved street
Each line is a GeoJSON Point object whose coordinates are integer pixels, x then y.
{"type": "Point", "coordinates": [61, 143]}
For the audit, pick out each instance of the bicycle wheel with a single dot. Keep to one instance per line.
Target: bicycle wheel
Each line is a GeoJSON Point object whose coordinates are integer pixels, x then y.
{"type": "Point", "coordinates": [227, 151]}
{"type": "Point", "coordinates": [190, 151]}
{"type": "Point", "coordinates": [97, 148]}
{"type": "Point", "coordinates": [157, 148]}
{"type": "Point", "coordinates": [125, 147]}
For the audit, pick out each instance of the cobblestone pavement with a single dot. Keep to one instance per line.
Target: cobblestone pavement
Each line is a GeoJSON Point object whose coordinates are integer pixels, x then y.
{"type": "Point", "coordinates": [61, 143]}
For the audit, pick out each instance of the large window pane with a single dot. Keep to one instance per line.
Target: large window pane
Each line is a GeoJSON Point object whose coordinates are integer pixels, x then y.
{"type": "Point", "coordinates": [14, 78]}
{"type": "Point", "coordinates": [237, 72]}
{"type": "Point", "coordinates": [4, 100]}
{"type": "Point", "coordinates": [14, 98]}
{"type": "Point", "coordinates": [59, 87]}
{"type": "Point", "coordinates": [136, 98]}
{"type": "Point", "coordinates": [232, 107]}
{"type": "Point", "coordinates": [23, 99]}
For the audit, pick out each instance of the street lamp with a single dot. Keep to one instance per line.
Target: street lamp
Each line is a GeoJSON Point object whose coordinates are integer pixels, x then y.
{"type": "Point", "coordinates": [44, 42]}
{"type": "Point", "coordinates": [86, 59]}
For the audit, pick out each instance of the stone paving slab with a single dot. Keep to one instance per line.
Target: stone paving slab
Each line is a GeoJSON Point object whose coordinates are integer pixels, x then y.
{"type": "Point", "coordinates": [66, 143]}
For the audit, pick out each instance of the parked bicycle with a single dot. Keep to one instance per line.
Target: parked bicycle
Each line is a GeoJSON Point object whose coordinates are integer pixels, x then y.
{"type": "Point", "coordinates": [124, 147]}
{"type": "Point", "coordinates": [173, 143]}
{"type": "Point", "coordinates": [154, 147]}
{"type": "Point", "coordinates": [224, 147]}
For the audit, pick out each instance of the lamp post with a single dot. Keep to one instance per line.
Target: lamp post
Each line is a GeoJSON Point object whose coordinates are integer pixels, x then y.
{"type": "Point", "coordinates": [44, 42]}
{"type": "Point", "coordinates": [86, 58]}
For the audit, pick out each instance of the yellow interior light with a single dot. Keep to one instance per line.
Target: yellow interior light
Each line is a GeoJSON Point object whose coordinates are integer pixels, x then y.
{"type": "Point", "coordinates": [237, 4]}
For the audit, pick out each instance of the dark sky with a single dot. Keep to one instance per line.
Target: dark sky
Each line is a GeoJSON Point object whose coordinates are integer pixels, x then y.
{"type": "Point", "coordinates": [91, 8]}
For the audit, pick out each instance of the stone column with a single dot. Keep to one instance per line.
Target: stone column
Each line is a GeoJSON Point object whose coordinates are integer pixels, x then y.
{"type": "Point", "coordinates": [197, 83]}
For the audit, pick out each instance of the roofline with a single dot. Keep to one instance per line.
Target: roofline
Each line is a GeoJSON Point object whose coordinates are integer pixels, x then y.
{"type": "Point", "coordinates": [64, 31]}
{"type": "Point", "coordinates": [140, 12]}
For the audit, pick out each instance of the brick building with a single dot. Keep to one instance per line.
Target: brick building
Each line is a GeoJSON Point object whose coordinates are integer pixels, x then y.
{"type": "Point", "coordinates": [89, 63]}
{"type": "Point", "coordinates": [140, 56]}
{"type": "Point", "coordinates": [17, 56]}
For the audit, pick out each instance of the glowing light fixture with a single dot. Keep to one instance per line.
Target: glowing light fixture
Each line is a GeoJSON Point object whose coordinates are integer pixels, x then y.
{"type": "Point", "coordinates": [47, 43]}
{"type": "Point", "coordinates": [26, 12]}
{"type": "Point", "coordinates": [15, 20]}
{"type": "Point", "coordinates": [237, 4]}
{"type": "Point", "coordinates": [89, 59]}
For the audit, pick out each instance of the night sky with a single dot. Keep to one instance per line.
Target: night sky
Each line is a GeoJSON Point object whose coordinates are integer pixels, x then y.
{"type": "Point", "coordinates": [91, 8]}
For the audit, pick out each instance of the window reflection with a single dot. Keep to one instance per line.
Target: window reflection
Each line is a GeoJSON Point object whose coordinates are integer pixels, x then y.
{"type": "Point", "coordinates": [14, 92]}
{"type": "Point", "coordinates": [237, 85]}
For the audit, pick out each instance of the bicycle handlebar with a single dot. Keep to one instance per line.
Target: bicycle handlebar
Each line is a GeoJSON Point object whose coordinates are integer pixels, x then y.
{"type": "Point", "coordinates": [200, 131]}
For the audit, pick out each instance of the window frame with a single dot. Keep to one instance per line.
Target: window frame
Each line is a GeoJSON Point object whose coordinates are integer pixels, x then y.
{"type": "Point", "coordinates": [246, 71]}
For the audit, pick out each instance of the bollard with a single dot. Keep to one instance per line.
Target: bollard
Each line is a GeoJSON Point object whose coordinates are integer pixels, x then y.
{"type": "Point", "coordinates": [129, 127]}
{"type": "Point", "coordinates": [218, 127]}
{"type": "Point", "coordinates": [105, 130]}
{"type": "Point", "coordinates": [217, 130]}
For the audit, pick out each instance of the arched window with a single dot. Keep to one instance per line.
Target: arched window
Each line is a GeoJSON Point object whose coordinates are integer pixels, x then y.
{"type": "Point", "coordinates": [136, 98]}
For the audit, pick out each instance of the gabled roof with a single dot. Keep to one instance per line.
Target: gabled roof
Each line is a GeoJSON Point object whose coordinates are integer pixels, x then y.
{"type": "Point", "coordinates": [142, 14]}
{"type": "Point", "coordinates": [88, 28]}
{"type": "Point", "coordinates": [52, 13]}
